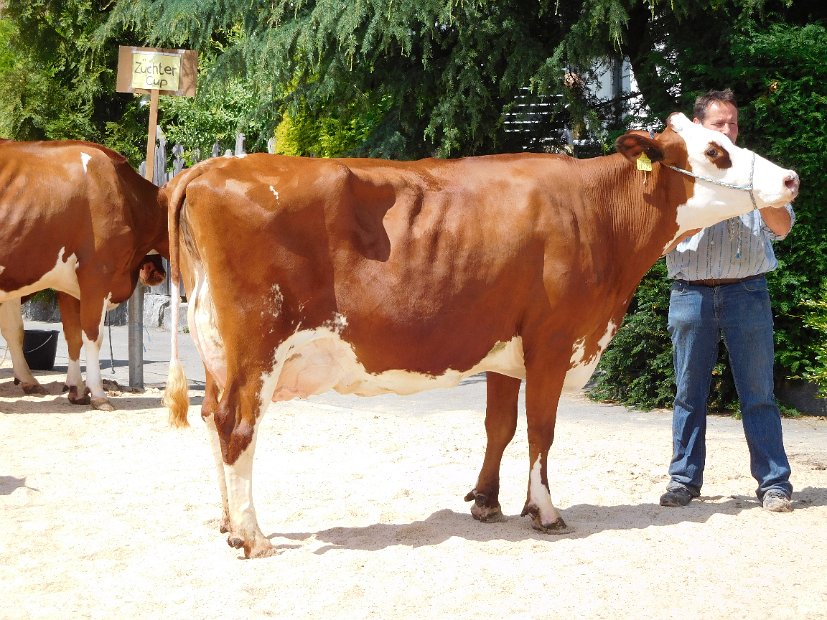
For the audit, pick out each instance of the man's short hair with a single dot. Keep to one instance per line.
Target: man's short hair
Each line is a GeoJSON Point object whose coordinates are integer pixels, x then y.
{"type": "Point", "coordinates": [713, 96]}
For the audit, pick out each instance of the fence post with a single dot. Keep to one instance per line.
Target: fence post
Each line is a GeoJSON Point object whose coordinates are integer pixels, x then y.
{"type": "Point", "coordinates": [178, 159]}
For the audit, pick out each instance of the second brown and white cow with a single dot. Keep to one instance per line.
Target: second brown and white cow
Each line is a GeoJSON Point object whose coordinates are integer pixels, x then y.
{"type": "Point", "coordinates": [75, 217]}
{"type": "Point", "coordinates": [367, 277]}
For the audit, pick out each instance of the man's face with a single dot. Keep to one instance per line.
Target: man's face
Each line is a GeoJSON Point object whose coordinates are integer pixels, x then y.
{"type": "Point", "coordinates": [723, 117]}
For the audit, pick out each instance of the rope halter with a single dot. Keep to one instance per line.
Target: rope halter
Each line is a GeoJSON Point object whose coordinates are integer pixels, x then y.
{"type": "Point", "coordinates": [745, 188]}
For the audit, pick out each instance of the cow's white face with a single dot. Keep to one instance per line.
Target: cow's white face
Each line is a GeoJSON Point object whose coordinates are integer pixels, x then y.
{"type": "Point", "coordinates": [713, 155]}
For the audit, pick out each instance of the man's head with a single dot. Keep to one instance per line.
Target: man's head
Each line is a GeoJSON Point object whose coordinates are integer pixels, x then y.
{"type": "Point", "coordinates": [718, 110]}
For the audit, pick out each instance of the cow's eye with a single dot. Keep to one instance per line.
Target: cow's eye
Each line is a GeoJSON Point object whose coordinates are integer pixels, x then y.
{"type": "Point", "coordinates": [711, 152]}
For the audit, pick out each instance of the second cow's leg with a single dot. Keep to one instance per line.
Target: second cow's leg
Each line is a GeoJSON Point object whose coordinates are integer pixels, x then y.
{"type": "Point", "coordinates": [11, 327]}
{"type": "Point", "coordinates": [70, 317]}
{"type": "Point", "coordinates": [92, 314]}
{"type": "Point", "coordinates": [500, 424]}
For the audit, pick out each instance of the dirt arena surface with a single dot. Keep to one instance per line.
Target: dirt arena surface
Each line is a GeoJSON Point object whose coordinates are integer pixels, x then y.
{"type": "Point", "coordinates": [115, 515]}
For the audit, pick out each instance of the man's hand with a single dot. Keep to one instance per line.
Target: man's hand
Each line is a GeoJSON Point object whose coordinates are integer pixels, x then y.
{"type": "Point", "coordinates": [777, 220]}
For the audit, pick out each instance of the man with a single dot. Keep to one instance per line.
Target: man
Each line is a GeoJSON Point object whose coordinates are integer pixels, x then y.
{"type": "Point", "coordinates": [719, 289]}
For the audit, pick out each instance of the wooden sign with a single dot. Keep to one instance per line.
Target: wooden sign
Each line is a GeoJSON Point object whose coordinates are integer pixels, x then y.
{"type": "Point", "coordinates": [169, 71]}
{"type": "Point", "coordinates": [152, 71]}
{"type": "Point", "coordinates": [156, 70]}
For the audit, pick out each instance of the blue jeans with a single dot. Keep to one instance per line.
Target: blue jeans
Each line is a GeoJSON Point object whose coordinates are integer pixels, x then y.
{"type": "Point", "coordinates": [698, 315]}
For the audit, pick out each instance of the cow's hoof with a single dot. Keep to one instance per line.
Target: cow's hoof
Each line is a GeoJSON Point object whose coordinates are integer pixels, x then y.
{"type": "Point", "coordinates": [553, 525]}
{"type": "Point", "coordinates": [102, 404]}
{"type": "Point", "coordinates": [558, 526]}
{"type": "Point", "coordinates": [33, 389]}
{"type": "Point", "coordinates": [75, 399]}
{"type": "Point", "coordinates": [487, 514]}
{"type": "Point", "coordinates": [481, 511]}
{"type": "Point", "coordinates": [260, 549]}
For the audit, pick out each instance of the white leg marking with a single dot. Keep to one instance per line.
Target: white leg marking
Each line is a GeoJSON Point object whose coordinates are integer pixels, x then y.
{"type": "Point", "coordinates": [73, 376]}
{"type": "Point", "coordinates": [92, 349]}
{"type": "Point", "coordinates": [540, 496]}
{"type": "Point", "coordinates": [239, 478]}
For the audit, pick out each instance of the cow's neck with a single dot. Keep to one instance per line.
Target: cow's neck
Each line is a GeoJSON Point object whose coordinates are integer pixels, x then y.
{"type": "Point", "coordinates": [640, 210]}
{"type": "Point", "coordinates": [641, 206]}
{"type": "Point", "coordinates": [151, 218]}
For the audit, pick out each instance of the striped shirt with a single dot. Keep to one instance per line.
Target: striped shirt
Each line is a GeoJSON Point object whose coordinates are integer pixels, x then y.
{"type": "Point", "coordinates": [735, 248]}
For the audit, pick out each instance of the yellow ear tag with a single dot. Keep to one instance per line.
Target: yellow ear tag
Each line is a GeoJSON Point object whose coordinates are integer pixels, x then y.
{"type": "Point", "coordinates": [644, 163]}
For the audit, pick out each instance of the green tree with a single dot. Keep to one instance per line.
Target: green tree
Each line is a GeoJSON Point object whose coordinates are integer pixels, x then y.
{"type": "Point", "coordinates": [53, 84]}
{"type": "Point", "coordinates": [342, 133]}
{"type": "Point", "coordinates": [216, 114]}
{"type": "Point", "coordinates": [57, 81]}
{"type": "Point", "coordinates": [450, 69]}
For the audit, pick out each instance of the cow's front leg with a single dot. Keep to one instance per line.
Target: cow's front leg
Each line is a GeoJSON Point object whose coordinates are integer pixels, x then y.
{"type": "Point", "coordinates": [543, 386]}
{"type": "Point", "coordinates": [500, 424]}
{"type": "Point", "coordinates": [235, 421]}
{"type": "Point", "coordinates": [70, 317]}
{"type": "Point", "coordinates": [11, 327]}
{"type": "Point", "coordinates": [92, 314]}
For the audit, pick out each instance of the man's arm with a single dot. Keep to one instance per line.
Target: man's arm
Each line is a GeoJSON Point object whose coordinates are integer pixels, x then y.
{"type": "Point", "coordinates": [777, 220]}
{"type": "Point", "coordinates": [675, 243]}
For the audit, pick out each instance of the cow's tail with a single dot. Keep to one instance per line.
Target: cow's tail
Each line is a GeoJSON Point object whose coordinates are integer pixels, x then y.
{"type": "Point", "coordinates": [176, 397]}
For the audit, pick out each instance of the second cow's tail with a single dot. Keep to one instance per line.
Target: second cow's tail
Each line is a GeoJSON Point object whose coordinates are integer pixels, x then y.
{"type": "Point", "coordinates": [176, 397]}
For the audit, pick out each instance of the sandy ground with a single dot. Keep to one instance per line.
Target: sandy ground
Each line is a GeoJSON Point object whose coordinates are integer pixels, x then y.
{"type": "Point", "coordinates": [114, 515]}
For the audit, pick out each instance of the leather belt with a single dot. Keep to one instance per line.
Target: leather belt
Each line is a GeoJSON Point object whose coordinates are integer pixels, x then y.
{"type": "Point", "coordinates": [723, 281]}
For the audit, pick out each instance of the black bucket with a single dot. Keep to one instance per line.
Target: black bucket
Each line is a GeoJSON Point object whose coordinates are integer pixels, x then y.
{"type": "Point", "coordinates": [40, 348]}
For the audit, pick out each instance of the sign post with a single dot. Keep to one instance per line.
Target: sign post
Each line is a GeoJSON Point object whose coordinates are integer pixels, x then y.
{"type": "Point", "coordinates": [153, 71]}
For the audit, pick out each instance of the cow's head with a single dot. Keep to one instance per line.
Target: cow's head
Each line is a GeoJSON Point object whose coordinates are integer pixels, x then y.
{"type": "Point", "coordinates": [151, 271]}
{"type": "Point", "coordinates": [725, 180]}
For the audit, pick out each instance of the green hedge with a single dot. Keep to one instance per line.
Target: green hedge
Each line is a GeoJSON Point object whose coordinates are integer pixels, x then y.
{"type": "Point", "coordinates": [783, 72]}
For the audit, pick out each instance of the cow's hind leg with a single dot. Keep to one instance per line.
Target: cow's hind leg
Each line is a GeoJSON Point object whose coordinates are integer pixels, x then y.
{"type": "Point", "coordinates": [70, 316]}
{"type": "Point", "coordinates": [11, 327]}
{"type": "Point", "coordinates": [238, 412]}
{"type": "Point", "coordinates": [500, 424]}
{"type": "Point", "coordinates": [209, 406]}
{"type": "Point", "coordinates": [543, 387]}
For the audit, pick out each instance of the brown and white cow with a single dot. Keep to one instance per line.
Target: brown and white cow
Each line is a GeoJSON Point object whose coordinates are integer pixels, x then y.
{"type": "Point", "coordinates": [76, 218]}
{"type": "Point", "coordinates": [369, 276]}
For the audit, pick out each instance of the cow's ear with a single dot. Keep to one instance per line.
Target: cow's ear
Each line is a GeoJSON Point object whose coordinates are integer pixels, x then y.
{"type": "Point", "coordinates": [633, 143]}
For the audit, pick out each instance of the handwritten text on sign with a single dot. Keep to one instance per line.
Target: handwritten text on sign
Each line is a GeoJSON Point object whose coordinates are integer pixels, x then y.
{"type": "Point", "coordinates": [155, 70]}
